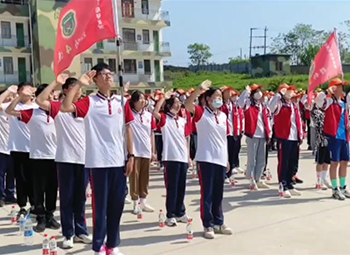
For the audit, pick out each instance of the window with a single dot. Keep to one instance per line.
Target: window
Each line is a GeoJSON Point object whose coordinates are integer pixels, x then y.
{"type": "Point", "coordinates": [129, 35]}
{"type": "Point", "coordinates": [112, 65]}
{"type": "Point", "coordinates": [144, 7]}
{"type": "Point", "coordinates": [148, 91]}
{"type": "Point", "coordinates": [99, 45]}
{"type": "Point", "coordinates": [5, 29]}
{"type": "Point", "coordinates": [279, 66]}
{"type": "Point", "coordinates": [100, 60]}
{"type": "Point", "coordinates": [145, 36]}
{"type": "Point", "coordinates": [130, 66]}
{"type": "Point", "coordinates": [147, 64]}
{"type": "Point", "coordinates": [128, 8]}
{"type": "Point", "coordinates": [8, 65]}
{"type": "Point", "coordinates": [87, 64]}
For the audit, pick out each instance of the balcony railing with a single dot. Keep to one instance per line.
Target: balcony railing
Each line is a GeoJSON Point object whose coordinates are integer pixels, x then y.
{"type": "Point", "coordinates": [14, 41]}
{"type": "Point", "coordinates": [14, 78]}
{"type": "Point", "coordinates": [146, 14]}
{"type": "Point", "coordinates": [163, 47]}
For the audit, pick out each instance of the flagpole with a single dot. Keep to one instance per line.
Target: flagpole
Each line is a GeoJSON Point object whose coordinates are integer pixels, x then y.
{"type": "Point", "coordinates": [34, 81]}
{"type": "Point", "coordinates": [336, 37]}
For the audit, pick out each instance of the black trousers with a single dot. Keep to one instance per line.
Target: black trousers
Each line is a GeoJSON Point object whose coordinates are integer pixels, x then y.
{"type": "Point", "coordinates": [23, 176]}
{"type": "Point", "coordinates": [234, 147]}
{"type": "Point", "coordinates": [308, 122]}
{"type": "Point", "coordinates": [45, 187]}
{"type": "Point", "coordinates": [159, 147]}
{"type": "Point", "coordinates": [288, 161]}
{"type": "Point", "coordinates": [266, 157]}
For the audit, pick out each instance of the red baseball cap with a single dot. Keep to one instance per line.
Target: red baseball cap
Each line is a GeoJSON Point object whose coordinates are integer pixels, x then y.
{"type": "Point", "coordinates": [337, 82]}
{"type": "Point", "coordinates": [255, 87]}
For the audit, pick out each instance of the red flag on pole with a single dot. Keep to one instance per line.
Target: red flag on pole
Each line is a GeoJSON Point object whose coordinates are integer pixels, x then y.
{"type": "Point", "coordinates": [81, 24]}
{"type": "Point", "coordinates": [326, 65]}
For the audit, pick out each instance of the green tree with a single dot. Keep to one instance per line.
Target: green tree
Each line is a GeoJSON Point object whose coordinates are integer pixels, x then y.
{"type": "Point", "coordinates": [309, 54]}
{"type": "Point", "coordinates": [199, 53]}
{"type": "Point", "coordinates": [238, 60]}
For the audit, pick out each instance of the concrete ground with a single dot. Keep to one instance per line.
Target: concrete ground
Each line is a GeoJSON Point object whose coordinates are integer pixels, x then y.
{"type": "Point", "coordinates": [263, 223]}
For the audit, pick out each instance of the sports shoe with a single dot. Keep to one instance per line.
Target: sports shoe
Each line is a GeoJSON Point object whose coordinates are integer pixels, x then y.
{"type": "Point", "coordinates": [337, 194]}
{"type": "Point", "coordinates": [286, 194]}
{"type": "Point", "coordinates": [262, 185]}
{"type": "Point", "coordinates": [135, 204]}
{"type": "Point", "coordinates": [67, 243]}
{"type": "Point", "coordinates": [127, 201]}
{"type": "Point", "coordinates": [41, 225]}
{"type": "Point", "coordinates": [297, 180]}
{"type": "Point", "coordinates": [146, 207]}
{"type": "Point", "coordinates": [86, 239]}
{"type": "Point", "coordinates": [183, 219]}
{"type": "Point", "coordinates": [295, 192]}
{"type": "Point", "coordinates": [327, 184]}
{"type": "Point", "coordinates": [113, 251]}
{"type": "Point", "coordinates": [239, 170]}
{"type": "Point", "coordinates": [234, 171]}
{"type": "Point", "coordinates": [227, 181]}
{"type": "Point", "coordinates": [52, 223]}
{"type": "Point", "coordinates": [22, 211]}
{"type": "Point", "coordinates": [102, 251]}
{"type": "Point", "coordinates": [171, 222]}
{"type": "Point", "coordinates": [2, 203]}
{"type": "Point", "coordinates": [345, 192]}
{"type": "Point", "coordinates": [323, 186]}
{"type": "Point", "coordinates": [223, 229]}
{"type": "Point", "coordinates": [209, 233]}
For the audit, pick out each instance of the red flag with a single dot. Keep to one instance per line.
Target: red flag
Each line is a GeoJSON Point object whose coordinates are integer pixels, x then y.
{"type": "Point", "coordinates": [81, 24]}
{"type": "Point", "coordinates": [326, 65]}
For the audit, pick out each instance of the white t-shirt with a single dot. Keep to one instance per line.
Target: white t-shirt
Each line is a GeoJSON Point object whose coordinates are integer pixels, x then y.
{"type": "Point", "coordinates": [42, 133]}
{"type": "Point", "coordinates": [174, 133]}
{"type": "Point", "coordinates": [19, 131]}
{"type": "Point", "coordinates": [4, 130]}
{"type": "Point", "coordinates": [212, 136]}
{"type": "Point", "coordinates": [104, 122]}
{"type": "Point", "coordinates": [70, 133]}
{"type": "Point", "coordinates": [142, 127]}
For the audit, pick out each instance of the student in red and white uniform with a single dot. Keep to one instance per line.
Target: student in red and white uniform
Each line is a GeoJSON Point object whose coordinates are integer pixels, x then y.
{"type": "Point", "coordinates": [258, 133]}
{"type": "Point", "coordinates": [104, 155]}
{"type": "Point", "coordinates": [7, 179]}
{"type": "Point", "coordinates": [211, 156]}
{"type": "Point", "coordinates": [143, 128]}
{"type": "Point", "coordinates": [289, 134]}
{"type": "Point", "coordinates": [175, 156]}
{"type": "Point", "coordinates": [70, 160]}
{"type": "Point", "coordinates": [235, 121]}
{"type": "Point", "coordinates": [42, 155]}
{"type": "Point", "coordinates": [19, 149]}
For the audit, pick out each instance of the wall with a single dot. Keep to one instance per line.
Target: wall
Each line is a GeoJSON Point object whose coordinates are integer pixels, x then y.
{"type": "Point", "coordinates": [242, 68]}
{"type": "Point", "coordinates": [301, 69]}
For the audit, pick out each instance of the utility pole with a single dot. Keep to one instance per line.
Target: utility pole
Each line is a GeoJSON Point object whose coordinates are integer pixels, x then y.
{"type": "Point", "coordinates": [260, 46]}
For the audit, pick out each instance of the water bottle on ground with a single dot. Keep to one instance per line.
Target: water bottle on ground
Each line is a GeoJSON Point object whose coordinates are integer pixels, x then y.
{"type": "Point", "coordinates": [280, 189]}
{"type": "Point", "coordinates": [13, 215]}
{"type": "Point", "coordinates": [28, 232]}
{"type": "Point", "coordinates": [53, 246]}
{"type": "Point", "coordinates": [22, 223]}
{"type": "Point", "coordinates": [46, 245]}
{"type": "Point", "coordinates": [161, 218]}
{"type": "Point", "coordinates": [189, 230]}
{"type": "Point", "coordinates": [319, 182]}
{"type": "Point", "coordinates": [139, 211]}
{"type": "Point", "coordinates": [88, 191]}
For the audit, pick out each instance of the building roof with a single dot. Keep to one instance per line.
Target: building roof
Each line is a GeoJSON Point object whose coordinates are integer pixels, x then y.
{"type": "Point", "coordinates": [272, 55]}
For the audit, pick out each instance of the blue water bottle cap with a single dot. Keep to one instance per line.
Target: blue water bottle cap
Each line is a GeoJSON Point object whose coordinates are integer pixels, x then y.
{"type": "Point", "coordinates": [28, 217]}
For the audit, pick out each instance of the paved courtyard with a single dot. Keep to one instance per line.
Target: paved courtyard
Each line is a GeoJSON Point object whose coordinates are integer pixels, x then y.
{"type": "Point", "coordinates": [263, 223]}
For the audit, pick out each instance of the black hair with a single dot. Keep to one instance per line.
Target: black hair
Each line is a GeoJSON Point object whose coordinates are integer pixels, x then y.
{"type": "Point", "coordinates": [22, 84]}
{"type": "Point", "coordinates": [40, 89]}
{"type": "Point", "coordinates": [2, 91]}
{"type": "Point", "coordinates": [169, 104]}
{"type": "Point", "coordinates": [69, 81]}
{"type": "Point", "coordinates": [100, 67]}
{"type": "Point", "coordinates": [135, 97]}
{"type": "Point", "coordinates": [209, 93]}
{"type": "Point", "coordinates": [200, 98]}
{"type": "Point", "coordinates": [252, 93]}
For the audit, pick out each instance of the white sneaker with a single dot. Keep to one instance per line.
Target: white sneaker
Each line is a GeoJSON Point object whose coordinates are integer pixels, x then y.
{"type": "Point", "coordinates": [135, 208]}
{"type": "Point", "coordinates": [327, 184]}
{"type": "Point", "coordinates": [127, 201]}
{"type": "Point", "coordinates": [113, 251]}
{"type": "Point", "coordinates": [183, 219]}
{"type": "Point", "coordinates": [227, 181]}
{"type": "Point", "coordinates": [262, 185]}
{"type": "Point", "coordinates": [295, 192]}
{"type": "Point", "coordinates": [171, 222]}
{"type": "Point", "coordinates": [286, 194]}
{"type": "Point", "coordinates": [146, 207]}
{"type": "Point", "coordinates": [86, 239]}
{"type": "Point", "coordinates": [223, 229]}
{"type": "Point", "coordinates": [102, 251]}
{"type": "Point", "coordinates": [209, 233]}
{"type": "Point", "coordinates": [234, 171]}
{"type": "Point", "coordinates": [239, 170]}
{"type": "Point", "coordinates": [68, 243]}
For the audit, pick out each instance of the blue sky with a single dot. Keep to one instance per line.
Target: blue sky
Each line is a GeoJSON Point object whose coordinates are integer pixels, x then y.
{"type": "Point", "coordinates": [225, 25]}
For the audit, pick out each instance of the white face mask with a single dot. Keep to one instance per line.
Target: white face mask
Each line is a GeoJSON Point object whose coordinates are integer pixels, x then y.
{"type": "Point", "coordinates": [266, 99]}
{"type": "Point", "coordinates": [288, 95]}
{"type": "Point", "coordinates": [258, 95]}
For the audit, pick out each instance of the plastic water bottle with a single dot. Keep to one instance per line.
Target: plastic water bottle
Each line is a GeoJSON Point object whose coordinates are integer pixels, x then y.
{"type": "Point", "coordinates": [189, 230]}
{"type": "Point", "coordinates": [161, 218]}
{"type": "Point", "coordinates": [319, 182]}
{"type": "Point", "coordinates": [13, 215]}
{"type": "Point", "coordinates": [28, 232]}
{"type": "Point", "coordinates": [88, 191]}
{"type": "Point", "coordinates": [280, 189]}
{"type": "Point", "coordinates": [46, 245]}
{"type": "Point", "coordinates": [53, 246]}
{"type": "Point", "coordinates": [22, 223]}
{"type": "Point", "coordinates": [139, 211]}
